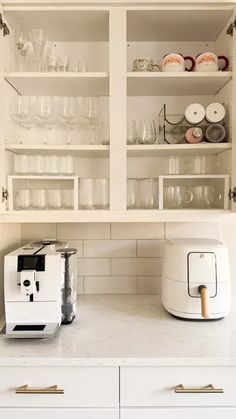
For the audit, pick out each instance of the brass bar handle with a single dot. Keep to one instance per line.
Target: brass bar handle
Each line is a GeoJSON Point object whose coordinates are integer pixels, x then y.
{"type": "Point", "coordinates": [47, 390]}
{"type": "Point", "coordinates": [204, 292]}
{"type": "Point", "coordinates": [207, 389]}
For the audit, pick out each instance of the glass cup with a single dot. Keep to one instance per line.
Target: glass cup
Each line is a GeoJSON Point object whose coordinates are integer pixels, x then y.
{"type": "Point", "coordinates": [132, 193]}
{"type": "Point", "coordinates": [177, 196]}
{"type": "Point", "coordinates": [52, 63]}
{"type": "Point", "coordinates": [36, 164]}
{"type": "Point", "coordinates": [101, 193]}
{"type": "Point", "coordinates": [52, 165]}
{"type": "Point", "coordinates": [132, 135]}
{"type": "Point", "coordinates": [54, 198]}
{"type": "Point", "coordinates": [174, 165]}
{"type": "Point", "coordinates": [63, 64]}
{"type": "Point", "coordinates": [148, 193]}
{"type": "Point", "coordinates": [203, 196]}
{"type": "Point", "coordinates": [66, 165]}
{"type": "Point", "coordinates": [198, 165]}
{"type": "Point", "coordinates": [38, 198]}
{"type": "Point", "coordinates": [67, 198]}
{"type": "Point", "coordinates": [21, 163]}
{"type": "Point", "coordinates": [147, 132]}
{"type": "Point", "coordinates": [81, 66]}
{"type": "Point", "coordinates": [86, 193]}
{"type": "Point", "coordinates": [23, 199]}
{"type": "Point", "coordinates": [105, 133]}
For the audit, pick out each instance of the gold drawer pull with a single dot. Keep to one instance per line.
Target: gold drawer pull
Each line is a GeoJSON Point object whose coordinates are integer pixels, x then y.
{"type": "Point", "coordinates": [207, 389]}
{"type": "Point", "coordinates": [48, 390]}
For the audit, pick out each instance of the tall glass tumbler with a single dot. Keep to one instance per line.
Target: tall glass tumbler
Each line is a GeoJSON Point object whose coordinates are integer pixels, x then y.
{"type": "Point", "coordinates": [148, 193]}
{"type": "Point", "coordinates": [101, 193]}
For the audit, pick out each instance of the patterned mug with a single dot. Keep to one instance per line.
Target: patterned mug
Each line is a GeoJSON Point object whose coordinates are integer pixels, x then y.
{"type": "Point", "coordinates": [176, 62]}
{"type": "Point", "coordinates": [144, 64]}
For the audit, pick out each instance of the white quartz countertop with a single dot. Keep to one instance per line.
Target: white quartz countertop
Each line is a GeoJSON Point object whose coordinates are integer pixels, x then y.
{"type": "Point", "coordinates": [127, 331]}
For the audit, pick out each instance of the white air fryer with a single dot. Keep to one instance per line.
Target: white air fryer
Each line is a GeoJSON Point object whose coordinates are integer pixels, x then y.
{"type": "Point", "coordinates": [196, 279]}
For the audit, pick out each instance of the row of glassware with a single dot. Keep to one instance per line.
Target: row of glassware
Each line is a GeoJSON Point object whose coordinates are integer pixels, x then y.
{"type": "Point", "coordinates": [143, 194]}
{"type": "Point", "coordinates": [45, 59]}
{"type": "Point", "coordinates": [50, 111]}
{"type": "Point", "coordinates": [93, 194]}
{"type": "Point", "coordinates": [64, 165]}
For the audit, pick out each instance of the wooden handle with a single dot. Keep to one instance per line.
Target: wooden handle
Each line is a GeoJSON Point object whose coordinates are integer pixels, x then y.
{"type": "Point", "coordinates": [204, 292]}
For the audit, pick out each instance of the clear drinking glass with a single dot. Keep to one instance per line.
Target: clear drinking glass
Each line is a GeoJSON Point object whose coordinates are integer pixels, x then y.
{"type": "Point", "coordinates": [132, 193]}
{"type": "Point", "coordinates": [203, 196]}
{"type": "Point", "coordinates": [132, 135]}
{"type": "Point", "coordinates": [21, 163]}
{"type": "Point", "coordinates": [148, 193]}
{"type": "Point", "coordinates": [52, 63]}
{"type": "Point", "coordinates": [174, 165]}
{"type": "Point", "coordinates": [105, 133]}
{"type": "Point", "coordinates": [54, 198]}
{"type": "Point", "coordinates": [86, 193]}
{"type": "Point", "coordinates": [147, 132]}
{"type": "Point", "coordinates": [197, 165]}
{"type": "Point", "coordinates": [64, 64]}
{"type": "Point", "coordinates": [20, 112]}
{"type": "Point", "coordinates": [66, 165]}
{"type": "Point", "coordinates": [37, 164]}
{"type": "Point", "coordinates": [177, 196]}
{"type": "Point", "coordinates": [22, 48]}
{"type": "Point", "coordinates": [91, 112]}
{"type": "Point", "coordinates": [38, 199]}
{"type": "Point", "coordinates": [39, 40]}
{"type": "Point", "coordinates": [101, 193]}
{"type": "Point", "coordinates": [44, 110]}
{"type": "Point", "coordinates": [23, 199]}
{"type": "Point", "coordinates": [67, 198]}
{"type": "Point", "coordinates": [53, 164]}
{"type": "Point", "coordinates": [68, 111]}
{"type": "Point", "coordinates": [81, 66]}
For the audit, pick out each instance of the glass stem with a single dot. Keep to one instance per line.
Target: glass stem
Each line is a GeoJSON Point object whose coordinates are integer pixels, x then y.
{"type": "Point", "coordinates": [67, 134]}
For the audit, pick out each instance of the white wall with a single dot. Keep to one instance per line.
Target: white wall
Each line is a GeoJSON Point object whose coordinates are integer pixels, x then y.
{"type": "Point", "coordinates": [122, 258]}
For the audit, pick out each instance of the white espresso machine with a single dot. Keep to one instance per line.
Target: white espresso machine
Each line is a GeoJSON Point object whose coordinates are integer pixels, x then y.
{"type": "Point", "coordinates": [33, 282]}
{"type": "Point", "coordinates": [196, 279]}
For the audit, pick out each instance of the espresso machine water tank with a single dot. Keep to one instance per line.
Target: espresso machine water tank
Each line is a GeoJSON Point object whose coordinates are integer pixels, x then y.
{"type": "Point", "coordinates": [196, 279]}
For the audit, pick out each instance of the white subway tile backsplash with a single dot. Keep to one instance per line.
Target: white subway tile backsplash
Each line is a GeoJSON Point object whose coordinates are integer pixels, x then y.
{"type": "Point", "coordinates": [150, 248]}
{"type": "Point", "coordinates": [38, 231]}
{"type": "Point", "coordinates": [93, 266]}
{"type": "Point", "coordinates": [77, 244]}
{"type": "Point", "coordinates": [137, 231]}
{"type": "Point", "coordinates": [83, 231]}
{"type": "Point", "coordinates": [110, 285]}
{"type": "Point", "coordinates": [136, 266]}
{"type": "Point", "coordinates": [196, 230]}
{"type": "Point", "coordinates": [80, 285]}
{"type": "Point", "coordinates": [149, 284]}
{"type": "Point", "coordinates": [109, 248]}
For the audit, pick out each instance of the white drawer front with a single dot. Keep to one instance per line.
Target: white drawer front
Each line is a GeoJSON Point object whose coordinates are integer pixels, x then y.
{"type": "Point", "coordinates": [83, 386]}
{"type": "Point", "coordinates": [59, 414]}
{"type": "Point", "coordinates": [179, 413]}
{"type": "Point", "coordinates": [155, 386]}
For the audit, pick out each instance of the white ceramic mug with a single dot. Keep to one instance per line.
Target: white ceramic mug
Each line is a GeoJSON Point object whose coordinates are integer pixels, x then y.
{"type": "Point", "coordinates": [176, 62]}
{"type": "Point", "coordinates": [144, 64]}
{"type": "Point", "coordinates": [208, 61]}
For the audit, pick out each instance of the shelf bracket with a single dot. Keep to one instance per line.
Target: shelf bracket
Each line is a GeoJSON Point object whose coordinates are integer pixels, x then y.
{"type": "Point", "coordinates": [232, 26]}
{"type": "Point", "coordinates": [232, 194]}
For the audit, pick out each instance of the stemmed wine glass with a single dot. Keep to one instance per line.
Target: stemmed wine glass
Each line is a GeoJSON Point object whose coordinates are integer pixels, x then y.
{"type": "Point", "coordinates": [22, 47]}
{"type": "Point", "coordinates": [91, 112]}
{"type": "Point", "coordinates": [44, 111]}
{"type": "Point", "coordinates": [20, 112]}
{"type": "Point", "coordinates": [68, 112]}
{"type": "Point", "coordinates": [39, 40]}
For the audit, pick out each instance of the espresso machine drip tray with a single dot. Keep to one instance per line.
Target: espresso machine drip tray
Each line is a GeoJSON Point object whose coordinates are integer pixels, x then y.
{"type": "Point", "coordinates": [29, 331]}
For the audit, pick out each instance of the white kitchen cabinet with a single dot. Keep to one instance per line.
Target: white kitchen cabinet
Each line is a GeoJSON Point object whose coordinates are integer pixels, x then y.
{"type": "Point", "coordinates": [59, 413]}
{"type": "Point", "coordinates": [179, 413]}
{"type": "Point", "coordinates": [110, 38]}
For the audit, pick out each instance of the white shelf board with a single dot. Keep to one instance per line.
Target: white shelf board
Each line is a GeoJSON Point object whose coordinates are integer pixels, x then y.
{"type": "Point", "coordinates": [176, 84]}
{"type": "Point", "coordinates": [160, 150]}
{"type": "Point", "coordinates": [95, 216]}
{"type": "Point", "coordinates": [45, 149]}
{"type": "Point", "coordinates": [62, 24]}
{"type": "Point", "coordinates": [60, 84]}
{"type": "Point", "coordinates": [180, 23]}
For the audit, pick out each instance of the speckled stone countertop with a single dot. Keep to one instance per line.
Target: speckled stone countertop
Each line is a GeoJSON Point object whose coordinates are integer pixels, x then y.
{"type": "Point", "coordinates": [127, 331]}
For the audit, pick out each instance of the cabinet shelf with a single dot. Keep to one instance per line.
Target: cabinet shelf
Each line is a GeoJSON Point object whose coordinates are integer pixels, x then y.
{"type": "Point", "coordinates": [160, 150]}
{"type": "Point", "coordinates": [188, 215]}
{"type": "Point", "coordinates": [45, 149]}
{"type": "Point", "coordinates": [60, 84]}
{"type": "Point", "coordinates": [176, 84]}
